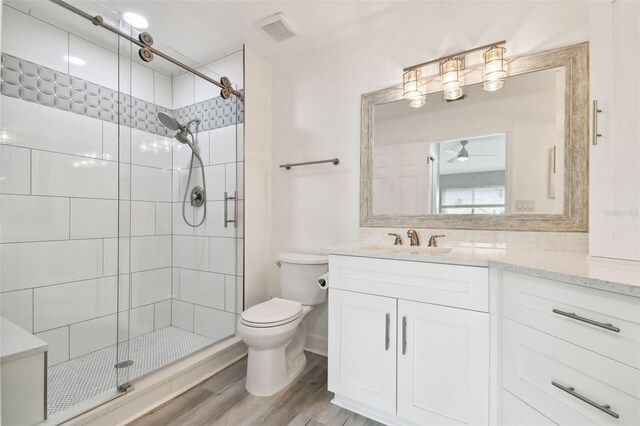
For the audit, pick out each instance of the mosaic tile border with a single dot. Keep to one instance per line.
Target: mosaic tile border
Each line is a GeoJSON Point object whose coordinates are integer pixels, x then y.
{"type": "Point", "coordinates": [35, 83]}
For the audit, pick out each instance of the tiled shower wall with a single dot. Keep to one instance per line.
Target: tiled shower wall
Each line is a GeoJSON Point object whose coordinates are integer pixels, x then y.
{"type": "Point", "coordinates": [59, 202]}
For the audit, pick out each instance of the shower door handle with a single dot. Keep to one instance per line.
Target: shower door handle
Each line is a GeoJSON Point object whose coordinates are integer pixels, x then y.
{"type": "Point", "coordinates": [227, 221]}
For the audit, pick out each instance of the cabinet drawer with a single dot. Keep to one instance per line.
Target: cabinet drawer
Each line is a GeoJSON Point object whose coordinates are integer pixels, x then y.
{"type": "Point", "coordinates": [516, 412]}
{"type": "Point", "coordinates": [536, 366]}
{"type": "Point", "coordinates": [449, 285]}
{"type": "Point", "coordinates": [606, 323]}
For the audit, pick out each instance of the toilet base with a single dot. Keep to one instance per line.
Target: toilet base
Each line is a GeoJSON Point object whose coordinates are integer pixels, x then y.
{"type": "Point", "coordinates": [271, 370]}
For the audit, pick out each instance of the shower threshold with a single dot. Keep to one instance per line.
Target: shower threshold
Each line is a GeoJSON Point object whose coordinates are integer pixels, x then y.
{"type": "Point", "coordinates": [80, 379]}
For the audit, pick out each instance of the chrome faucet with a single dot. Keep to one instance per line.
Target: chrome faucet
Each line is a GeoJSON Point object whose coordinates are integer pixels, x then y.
{"type": "Point", "coordinates": [433, 242]}
{"type": "Point", "coordinates": [398, 240]}
{"type": "Point", "coordinates": [413, 236]}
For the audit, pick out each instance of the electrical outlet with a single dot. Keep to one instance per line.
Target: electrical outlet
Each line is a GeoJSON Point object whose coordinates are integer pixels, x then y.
{"type": "Point", "coordinates": [525, 205]}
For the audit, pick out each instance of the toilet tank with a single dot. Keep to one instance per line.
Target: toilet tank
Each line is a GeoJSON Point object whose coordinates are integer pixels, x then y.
{"type": "Point", "coordinates": [299, 275]}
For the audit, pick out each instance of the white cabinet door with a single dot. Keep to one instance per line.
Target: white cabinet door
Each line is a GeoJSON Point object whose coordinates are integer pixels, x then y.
{"type": "Point", "coordinates": [443, 365]}
{"type": "Point", "coordinates": [362, 348]}
{"type": "Point", "coordinates": [614, 162]}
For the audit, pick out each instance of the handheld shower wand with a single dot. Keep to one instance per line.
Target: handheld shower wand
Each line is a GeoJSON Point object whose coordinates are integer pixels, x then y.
{"type": "Point", "coordinates": [198, 198]}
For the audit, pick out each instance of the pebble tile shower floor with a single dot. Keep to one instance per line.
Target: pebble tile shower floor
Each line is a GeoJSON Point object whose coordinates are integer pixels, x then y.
{"type": "Point", "coordinates": [79, 379]}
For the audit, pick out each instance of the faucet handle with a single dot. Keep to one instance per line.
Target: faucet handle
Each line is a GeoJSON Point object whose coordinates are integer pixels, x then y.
{"type": "Point", "coordinates": [433, 242]}
{"type": "Point", "coordinates": [398, 240]}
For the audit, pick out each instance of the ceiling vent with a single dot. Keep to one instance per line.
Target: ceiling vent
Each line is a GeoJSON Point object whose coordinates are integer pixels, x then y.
{"type": "Point", "coordinates": [278, 27]}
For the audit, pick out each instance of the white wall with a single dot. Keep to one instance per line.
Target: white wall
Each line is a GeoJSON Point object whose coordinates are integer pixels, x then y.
{"type": "Point", "coordinates": [316, 105]}
{"type": "Point", "coordinates": [257, 156]}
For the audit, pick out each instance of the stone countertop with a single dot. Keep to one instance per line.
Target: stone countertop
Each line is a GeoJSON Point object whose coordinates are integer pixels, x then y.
{"type": "Point", "coordinates": [570, 267]}
{"type": "Point", "coordinates": [17, 343]}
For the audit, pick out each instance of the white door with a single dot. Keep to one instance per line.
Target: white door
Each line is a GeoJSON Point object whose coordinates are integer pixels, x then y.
{"type": "Point", "coordinates": [401, 179]}
{"type": "Point", "coordinates": [614, 172]}
{"type": "Point", "coordinates": [443, 365]}
{"type": "Point", "coordinates": [362, 348]}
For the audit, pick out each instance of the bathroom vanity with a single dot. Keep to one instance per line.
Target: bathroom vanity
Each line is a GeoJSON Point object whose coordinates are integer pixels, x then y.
{"type": "Point", "coordinates": [468, 335]}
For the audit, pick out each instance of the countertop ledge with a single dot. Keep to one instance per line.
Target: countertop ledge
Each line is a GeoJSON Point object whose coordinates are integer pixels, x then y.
{"type": "Point", "coordinates": [18, 343]}
{"type": "Point", "coordinates": [617, 276]}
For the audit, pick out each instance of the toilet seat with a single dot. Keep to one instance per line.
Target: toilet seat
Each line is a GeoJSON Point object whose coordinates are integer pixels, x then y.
{"type": "Point", "coordinates": [273, 313]}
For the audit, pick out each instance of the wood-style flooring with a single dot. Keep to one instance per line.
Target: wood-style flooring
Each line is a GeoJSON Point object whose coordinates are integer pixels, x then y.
{"type": "Point", "coordinates": [224, 400]}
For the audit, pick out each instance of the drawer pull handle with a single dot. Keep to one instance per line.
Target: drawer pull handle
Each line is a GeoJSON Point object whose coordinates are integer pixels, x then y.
{"type": "Point", "coordinates": [571, 391]}
{"type": "Point", "coordinates": [404, 335]}
{"type": "Point", "coordinates": [571, 315]}
{"type": "Point", "coordinates": [387, 321]}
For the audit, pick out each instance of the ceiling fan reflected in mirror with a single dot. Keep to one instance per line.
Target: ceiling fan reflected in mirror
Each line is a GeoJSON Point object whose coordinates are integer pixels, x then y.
{"type": "Point", "coordinates": [462, 154]}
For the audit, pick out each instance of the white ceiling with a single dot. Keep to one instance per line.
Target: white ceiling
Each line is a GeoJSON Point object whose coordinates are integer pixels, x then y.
{"type": "Point", "coordinates": [198, 32]}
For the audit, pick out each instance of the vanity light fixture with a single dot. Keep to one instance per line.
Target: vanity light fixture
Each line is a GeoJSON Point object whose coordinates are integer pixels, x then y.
{"type": "Point", "coordinates": [451, 79]}
{"type": "Point", "coordinates": [411, 84]}
{"type": "Point", "coordinates": [451, 75]}
{"type": "Point", "coordinates": [493, 70]}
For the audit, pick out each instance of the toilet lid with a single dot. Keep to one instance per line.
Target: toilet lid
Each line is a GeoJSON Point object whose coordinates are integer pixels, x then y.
{"type": "Point", "coordinates": [272, 312]}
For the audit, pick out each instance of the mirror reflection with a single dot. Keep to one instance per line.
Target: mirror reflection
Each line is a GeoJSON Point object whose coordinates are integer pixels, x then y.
{"type": "Point", "coordinates": [489, 153]}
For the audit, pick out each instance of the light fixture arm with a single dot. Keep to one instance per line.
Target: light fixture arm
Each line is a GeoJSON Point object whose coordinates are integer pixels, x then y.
{"type": "Point", "coordinates": [459, 55]}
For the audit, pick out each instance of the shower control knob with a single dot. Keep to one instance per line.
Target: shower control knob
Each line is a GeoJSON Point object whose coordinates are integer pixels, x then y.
{"type": "Point", "coordinates": [146, 54]}
{"type": "Point", "coordinates": [146, 38]}
{"type": "Point", "coordinates": [225, 82]}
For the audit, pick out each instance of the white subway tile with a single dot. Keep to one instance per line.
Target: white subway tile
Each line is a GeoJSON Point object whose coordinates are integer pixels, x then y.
{"type": "Point", "coordinates": [182, 315]}
{"type": "Point", "coordinates": [100, 64]}
{"type": "Point", "coordinates": [25, 265]}
{"type": "Point", "coordinates": [71, 176]}
{"type": "Point", "coordinates": [203, 89]}
{"type": "Point", "coordinates": [150, 184]}
{"type": "Point", "coordinates": [141, 321]}
{"type": "Point", "coordinates": [231, 66]}
{"type": "Point", "coordinates": [191, 252]}
{"type": "Point", "coordinates": [215, 177]}
{"type": "Point", "coordinates": [150, 253]}
{"type": "Point", "coordinates": [142, 78]}
{"type": "Point", "coordinates": [17, 307]}
{"type": "Point", "coordinates": [223, 255]}
{"type": "Point", "coordinates": [162, 314]}
{"type": "Point", "coordinates": [183, 90]}
{"type": "Point", "coordinates": [58, 340]}
{"type": "Point", "coordinates": [234, 294]}
{"type": "Point", "coordinates": [110, 136]}
{"type": "Point", "coordinates": [150, 287]}
{"type": "Point", "coordinates": [34, 40]}
{"type": "Point", "coordinates": [181, 156]}
{"type": "Point", "coordinates": [163, 90]}
{"type": "Point", "coordinates": [56, 130]}
{"type": "Point", "coordinates": [111, 255]}
{"type": "Point", "coordinates": [222, 145]}
{"type": "Point", "coordinates": [180, 227]}
{"type": "Point", "coordinates": [15, 170]}
{"type": "Point", "coordinates": [64, 304]}
{"type": "Point", "coordinates": [240, 257]}
{"type": "Point", "coordinates": [213, 323]}
{"type": "Point", "coordinates": [94, 218]}
{"type": "Point", "coordinates": [214, 223]}
{"type": "Point", "coordinates": [240, 142]}
{"type": "Point", "coordinates": [124, 286]}
{"type": "Point", "coordinates": [89, 336]}
{"type": "Point", "coordinates": [175, 283]}
{"type": "Point", "coordinates": [202, 288]}
{"type": "Point", "coordinates": [143, 218]}
{"type": "Point", "coordinates": [164, 218]}
{"type": "Point", "coordinates": [27, 218]}
{"type": "Point", "coordinates": [148, 149]}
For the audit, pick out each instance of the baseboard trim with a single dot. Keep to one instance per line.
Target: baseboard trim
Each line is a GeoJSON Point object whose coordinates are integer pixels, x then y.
{"type": "Point", "coordinates": [155, 389]}
{"type": "Point", "coordinates": [371, 413]}
{"type": "Point", "coordinates": [317, 345]}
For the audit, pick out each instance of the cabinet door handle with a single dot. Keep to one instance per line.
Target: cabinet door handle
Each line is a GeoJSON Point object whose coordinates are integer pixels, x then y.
{"type": "Point", "coordinates": [594, 132]}
{"type": "Point", "coordinates": [387, 322]}
{"type": "Point", "coordinates": [404, 335]}
{"type": "Point", "coordinates": [571, 391]}
{"type": "Point", "coordinates": [571, 315]}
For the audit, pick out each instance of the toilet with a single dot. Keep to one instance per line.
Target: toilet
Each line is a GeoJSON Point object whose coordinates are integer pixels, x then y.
{"type": "Point", "coordinates": [275, 331]}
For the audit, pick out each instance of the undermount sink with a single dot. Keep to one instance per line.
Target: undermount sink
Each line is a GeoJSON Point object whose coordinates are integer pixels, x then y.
{"type": "Point", "coordinates": [429, 251]}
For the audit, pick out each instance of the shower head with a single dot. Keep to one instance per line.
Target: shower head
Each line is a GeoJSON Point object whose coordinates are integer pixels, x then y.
{"type": "Point", "coordinates": [169, 122]}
